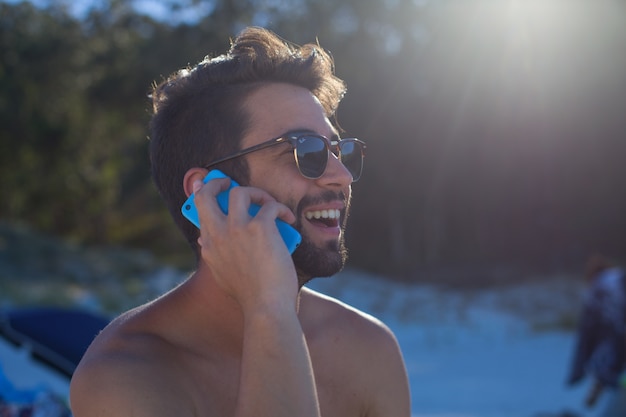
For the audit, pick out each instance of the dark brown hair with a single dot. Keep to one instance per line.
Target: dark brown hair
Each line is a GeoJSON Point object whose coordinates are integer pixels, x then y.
{"type": "Point", "coordinates": [198, 112]}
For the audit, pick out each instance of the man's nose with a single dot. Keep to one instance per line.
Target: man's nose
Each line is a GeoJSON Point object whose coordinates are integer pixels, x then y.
{"type": "Point", "coordinates": [336, 173]}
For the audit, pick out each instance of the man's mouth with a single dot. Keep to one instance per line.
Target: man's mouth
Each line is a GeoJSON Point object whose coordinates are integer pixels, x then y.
{"type": "Point", "coordinates": [328, 218]}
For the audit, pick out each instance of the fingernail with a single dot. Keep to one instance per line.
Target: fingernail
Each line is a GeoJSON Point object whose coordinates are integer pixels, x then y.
{"type": "Point", "coordinates": [197, 184]}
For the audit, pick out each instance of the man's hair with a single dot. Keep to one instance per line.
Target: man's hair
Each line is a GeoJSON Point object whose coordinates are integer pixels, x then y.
{"type": "Point", "coordinates": [198, 113]}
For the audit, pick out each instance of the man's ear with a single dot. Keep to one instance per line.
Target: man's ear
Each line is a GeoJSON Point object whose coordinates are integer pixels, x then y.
{"type": "Point", "coordinates": [190, 177]}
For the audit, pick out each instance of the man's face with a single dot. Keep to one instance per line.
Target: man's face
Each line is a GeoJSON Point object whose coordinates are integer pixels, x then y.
{"type": "Point", "coordinates": [276, 109]}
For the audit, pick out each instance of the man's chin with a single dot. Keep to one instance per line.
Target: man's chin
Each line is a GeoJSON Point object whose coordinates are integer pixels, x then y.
{"type": "Point", "coordinates": [312, 261]}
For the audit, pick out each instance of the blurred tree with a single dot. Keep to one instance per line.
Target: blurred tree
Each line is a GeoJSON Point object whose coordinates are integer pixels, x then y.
{"type": "Point", "coordinates": [74, 110]}
{"type": "Point", "coordinates": [491, 139]}
{"type": "Point", "coordinates": [36, 88]}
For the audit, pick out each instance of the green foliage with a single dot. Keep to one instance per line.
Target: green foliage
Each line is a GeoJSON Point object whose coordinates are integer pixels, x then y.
{"type": "Point", "coordinates": [74, 111]}
{"type": "Point", "coordinates": [479, 149]}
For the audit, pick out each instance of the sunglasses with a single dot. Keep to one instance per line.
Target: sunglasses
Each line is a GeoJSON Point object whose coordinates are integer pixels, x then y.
{"type": "Point", "coordinates": [311, 153]}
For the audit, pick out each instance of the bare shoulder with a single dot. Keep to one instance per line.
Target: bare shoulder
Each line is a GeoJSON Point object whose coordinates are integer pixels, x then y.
{"type": "Point", "coordinates": [327, 314]}
{"type": "Point", "coordinates": [355, 350]}
{"type": "Point", "coordinates": [118, 377]}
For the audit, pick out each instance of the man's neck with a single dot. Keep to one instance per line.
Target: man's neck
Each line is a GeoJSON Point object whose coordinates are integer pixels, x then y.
{"type": "Point", "coordinates": [215, 315]}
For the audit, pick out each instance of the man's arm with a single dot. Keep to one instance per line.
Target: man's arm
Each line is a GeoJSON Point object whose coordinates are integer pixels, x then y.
{"type": "Point", "coordinates": [395, 398]}
{"type": "Point", "coordinates": [276, 371]}
{"type": "Point", "coordinates": [249, 261]}
{"type": "Point", "coordinates": [388, 380]}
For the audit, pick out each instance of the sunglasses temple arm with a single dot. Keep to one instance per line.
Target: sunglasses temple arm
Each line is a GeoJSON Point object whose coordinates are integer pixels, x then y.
{"type": "Point", "coordinates": [245, 152]}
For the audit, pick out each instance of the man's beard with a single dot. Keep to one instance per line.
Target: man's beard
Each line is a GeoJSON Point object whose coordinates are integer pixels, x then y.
{"type": "Point", "coordinates": [312, 261]}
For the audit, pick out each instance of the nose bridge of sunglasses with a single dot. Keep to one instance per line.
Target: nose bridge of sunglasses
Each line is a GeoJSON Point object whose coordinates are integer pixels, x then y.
{"type": "Point", "coordinates": [334, 147]}
{"type": "Point", "coordinates": [345, 148]}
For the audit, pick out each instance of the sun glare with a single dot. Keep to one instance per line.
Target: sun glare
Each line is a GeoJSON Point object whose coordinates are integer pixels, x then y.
{"type": "Point", "coordinates": [533, 59]}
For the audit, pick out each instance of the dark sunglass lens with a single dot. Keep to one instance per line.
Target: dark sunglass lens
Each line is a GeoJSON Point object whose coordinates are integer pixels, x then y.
{"type": "Point", "coordinates": [312, 156]}
{"type": "Point", "coordinates": [352, 157]}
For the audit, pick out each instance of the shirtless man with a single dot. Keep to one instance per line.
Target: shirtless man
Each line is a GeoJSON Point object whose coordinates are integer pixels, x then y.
{"type": "Point", "coordinates": [242, 336]}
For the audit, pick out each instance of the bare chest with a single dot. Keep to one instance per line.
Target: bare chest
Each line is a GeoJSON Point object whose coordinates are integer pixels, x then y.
{"type": "Point", "coordinates": [215, 390]}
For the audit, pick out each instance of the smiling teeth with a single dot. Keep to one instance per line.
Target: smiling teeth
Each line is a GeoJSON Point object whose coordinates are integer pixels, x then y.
{"type": "Point", "coordinates": [322, 214]}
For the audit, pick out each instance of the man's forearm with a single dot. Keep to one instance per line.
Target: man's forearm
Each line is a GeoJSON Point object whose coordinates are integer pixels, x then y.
{"type": "Point", "coordinates": [276, 371]}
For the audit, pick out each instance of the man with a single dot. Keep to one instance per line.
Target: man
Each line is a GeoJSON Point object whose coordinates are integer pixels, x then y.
{"type": "Point", "coordinates": [242, 336]}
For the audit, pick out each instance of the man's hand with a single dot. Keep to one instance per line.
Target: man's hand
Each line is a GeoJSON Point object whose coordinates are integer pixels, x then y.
{"type": "Point", "coordinates": [246, 255]}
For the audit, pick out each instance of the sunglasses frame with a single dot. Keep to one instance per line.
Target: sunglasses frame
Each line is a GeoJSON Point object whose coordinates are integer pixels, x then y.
{"type": "Point", "coordinates": [292, 139]}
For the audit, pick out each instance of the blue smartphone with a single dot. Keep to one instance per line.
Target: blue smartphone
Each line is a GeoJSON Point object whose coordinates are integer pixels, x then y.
{"type": "Point", "coordinates": [290, 236]}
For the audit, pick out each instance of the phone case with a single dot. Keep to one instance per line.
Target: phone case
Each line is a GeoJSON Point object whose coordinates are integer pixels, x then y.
{"type": "Point", "coordinates": [290, 236]}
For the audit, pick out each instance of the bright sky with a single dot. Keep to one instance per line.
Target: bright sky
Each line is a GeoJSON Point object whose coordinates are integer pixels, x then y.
{"type": "Point", "coordinates": [188, 12]}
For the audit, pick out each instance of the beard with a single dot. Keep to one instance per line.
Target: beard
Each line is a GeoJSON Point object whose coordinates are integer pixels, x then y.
{"type": "Point", "coordinates": [313, 261]}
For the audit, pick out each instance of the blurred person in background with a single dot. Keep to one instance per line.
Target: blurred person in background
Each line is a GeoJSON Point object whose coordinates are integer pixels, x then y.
{"type": "Point", "coordinates": [600, 349]}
